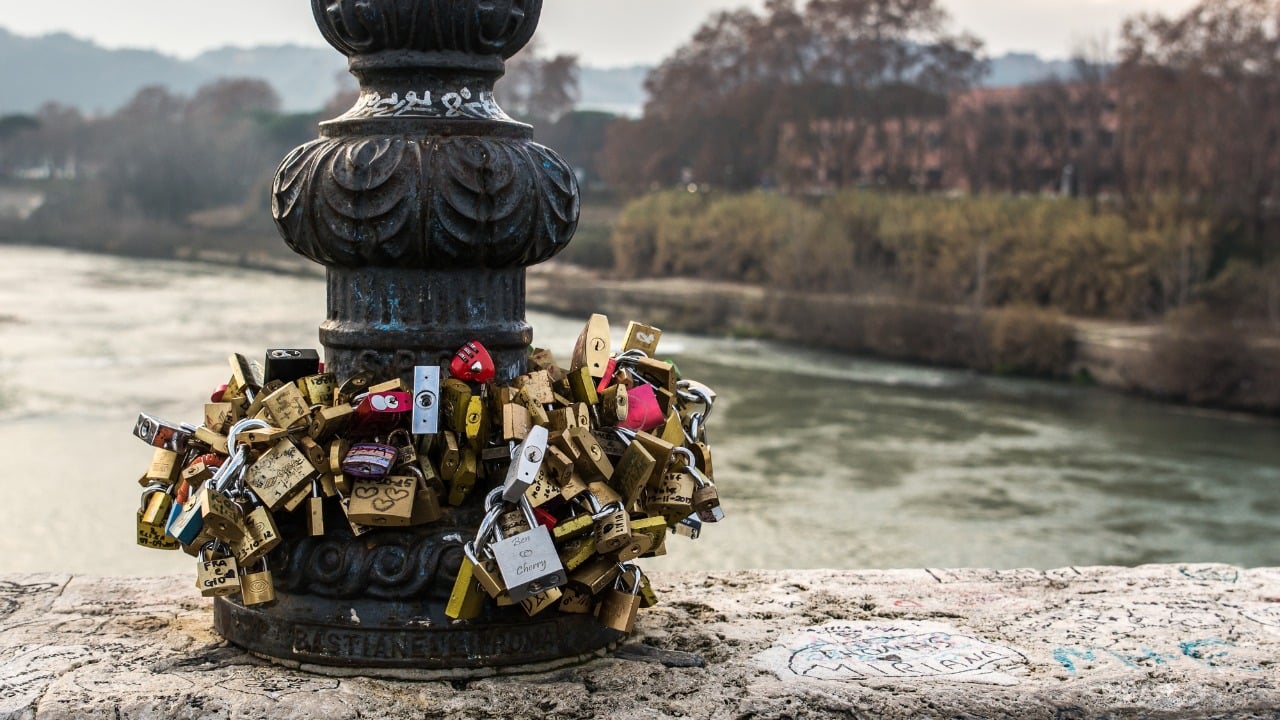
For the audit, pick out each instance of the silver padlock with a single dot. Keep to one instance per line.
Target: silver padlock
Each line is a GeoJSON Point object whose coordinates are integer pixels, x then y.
{"type": "Point", "coordinates": [426, 400]}
{"type": "Point", "coordinates": [528, 561]}
{"type": "Point", "coordinates": [162, 434]}
{"type": "Point", "coordinates": [525, 462]}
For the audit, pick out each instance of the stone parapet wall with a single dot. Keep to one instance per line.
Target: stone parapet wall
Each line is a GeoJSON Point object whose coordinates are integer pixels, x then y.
{"type": "Point", "coordinates": [1159, 641]}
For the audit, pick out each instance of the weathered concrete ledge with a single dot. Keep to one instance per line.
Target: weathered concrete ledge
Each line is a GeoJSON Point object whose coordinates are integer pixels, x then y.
{"type": "Point", "coordinates": [1159, 641]}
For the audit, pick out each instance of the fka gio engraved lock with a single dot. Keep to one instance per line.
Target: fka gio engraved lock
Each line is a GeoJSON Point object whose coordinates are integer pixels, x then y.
{"type": "Point", "coordinates": [218, 573]}
{"type": "Point", "coordinates": [426, 400]}
{"type": "Point", "coordinates": [525, 463]}
{"type": "Point", "coordinates": [528, 561]}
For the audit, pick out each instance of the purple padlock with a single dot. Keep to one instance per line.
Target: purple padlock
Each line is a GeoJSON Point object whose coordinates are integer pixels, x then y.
{"type": "Point", "coordinates": [369, 460]}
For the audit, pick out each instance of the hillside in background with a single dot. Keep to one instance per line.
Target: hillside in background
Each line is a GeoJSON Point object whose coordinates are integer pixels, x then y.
{"type": "Point", "coordinates": [95, 80]}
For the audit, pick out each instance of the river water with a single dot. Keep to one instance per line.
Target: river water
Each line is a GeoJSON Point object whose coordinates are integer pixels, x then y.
{"type": "Point", "coordinates": [821, 460]}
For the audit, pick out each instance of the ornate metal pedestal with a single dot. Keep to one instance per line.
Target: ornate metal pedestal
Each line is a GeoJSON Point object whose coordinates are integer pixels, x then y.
{"type": "Point", "coordinates": [426, 203]}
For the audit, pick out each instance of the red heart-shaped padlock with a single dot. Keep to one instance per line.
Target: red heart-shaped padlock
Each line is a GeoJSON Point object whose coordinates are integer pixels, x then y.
{"type": "Point", "coordinates": [473, 363]}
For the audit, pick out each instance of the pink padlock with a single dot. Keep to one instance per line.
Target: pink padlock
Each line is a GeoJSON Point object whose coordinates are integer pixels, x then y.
{"type": "Point", "coordinates": [607, 380]}
{"type": "Point", "coordinates": [643, 411]}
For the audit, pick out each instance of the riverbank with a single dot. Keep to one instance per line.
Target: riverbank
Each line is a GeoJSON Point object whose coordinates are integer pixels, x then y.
{"type": "Point", "coordinates": [1149, 359]}
{"type": "Point", "coordinates": [1157, 641]}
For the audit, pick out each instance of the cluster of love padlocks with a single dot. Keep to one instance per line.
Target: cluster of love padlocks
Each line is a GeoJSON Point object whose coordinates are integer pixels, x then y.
{"type": "Point", "coordinates": [590, 469]}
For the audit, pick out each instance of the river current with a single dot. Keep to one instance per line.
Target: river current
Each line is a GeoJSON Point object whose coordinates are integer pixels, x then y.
{"type": "Point", "coordinates": [821, 460]}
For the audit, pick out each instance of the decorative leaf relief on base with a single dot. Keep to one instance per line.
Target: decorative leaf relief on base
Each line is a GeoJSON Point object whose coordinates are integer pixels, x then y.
{"type": "Point", "coordinates": [397, 566]}
{"type": "Point", "coordinates": [434, 202]}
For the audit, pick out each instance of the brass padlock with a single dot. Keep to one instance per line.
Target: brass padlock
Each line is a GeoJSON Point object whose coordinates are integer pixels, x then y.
{"type": "Point", "coordinates": [573, 527]}
{"type": "Point", "coordinates": [575, 600]}
{"type": "Point", "coordinates": [591, 460]}
{"type": "Point", "coordinates": [591, 351]}
{"type": "Point", "coordinates": [156, 504]}
{"type": "Point", "coordinates": [262, 537]}
{"type": "Point", "coordinates": [594, 576]}
{"type": "Point", "coordinates": [153, 535]}
{"type": "Point", "coordinates": [641, 337]}
{"type": "Point", "coordinates": [217, 573]}
{"type": "Point", "coordinates": [319, 389]}
{"type": "Point", "coordinates": [450, 455]}
{"type": "Point", "coordinates": [706, 500]}
{"type": "Point", "coordinates": [466, 600]}
{"type": "Point", "coordinates": [619, 608]}
{"type": "Point", "coordinates": [219, 416]}
{"type": "Point", "coordinates": [674, 495]}
{"type": "Point", "coordinates": [583, 386]}
{"type": "Point", "coordinates": [455, 396]}
{"type": "Point", "coordinates": [163, 468]}
{"type": "Point", "coordinates": [330, 421]}
{"type": "Point", "coordinates": [464, 479]}
{"type": "Point", "coordinates": [287, 406]}
{"type": "Point", "coordinates": [278, 473]}
{"type": "Point", "coordinates": [638, 546]}
{"type": "Point", "coordinates": [223, 519]}
{"type": "Point", "coordinates": [577, 551]}
{"type": "Point", "coordinates": [614, 405]}
{"type": "Point", "coordinates": [476, 427]}
{"type": "Point", "coordinates": [632, 473]}
{"type": "Point", "coordinates": [535, 604]}
{"type": "Point", "coordinates": [406, 453]}
{"type": "Point", "coordinates": [315, 510]}
{"type": "Point", "coordinates": [661, 450]}
{"type": "Point", "coordinates": [613, 529]}
{"type": "Point", "coordinates": [426, 501]}
{"type": "Point", "coordinates": [258, 588]}
{"type": "Point", "coordinates": [382, 502]}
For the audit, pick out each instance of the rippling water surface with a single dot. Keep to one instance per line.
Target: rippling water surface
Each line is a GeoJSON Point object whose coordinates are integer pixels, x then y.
{"type": "Point", "coordinates": [822, 460]}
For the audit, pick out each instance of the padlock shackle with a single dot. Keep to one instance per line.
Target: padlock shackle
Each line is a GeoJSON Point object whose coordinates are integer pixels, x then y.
{"type": "Point", "coordinates": [633, 570]}
{"type": "Point", "coordinates": [152, 489]}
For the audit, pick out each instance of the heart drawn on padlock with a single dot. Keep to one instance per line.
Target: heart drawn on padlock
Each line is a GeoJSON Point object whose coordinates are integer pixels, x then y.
{"type": "Point", "coordinates": [398, 494]}
{"type": "Point", "coordinates": [383, 504]}
{"type": "Point", "coordinates": [473, 363]}
{"type": "Point", "coordinates": [364, 492]}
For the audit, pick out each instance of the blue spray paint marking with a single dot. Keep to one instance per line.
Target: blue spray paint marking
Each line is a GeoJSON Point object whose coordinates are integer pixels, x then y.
{"type": "Point", "coordinates": [1068, 657]}
{"type": "Point", "coordinates": [1195, 649]}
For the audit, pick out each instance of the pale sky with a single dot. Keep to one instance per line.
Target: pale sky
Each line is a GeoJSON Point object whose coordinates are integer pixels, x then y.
{"type": "Point", "coordinates": [600, 32]}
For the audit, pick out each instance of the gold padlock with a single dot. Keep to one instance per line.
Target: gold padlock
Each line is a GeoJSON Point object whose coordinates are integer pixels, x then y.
{"type": "Point", "coordinates": [591, 460]}
{"type": "Point", "coordinates": [632, 472]}
{"type": "Point", "coordinates": [217, 573]}
{"type": "Point", "coordinates": [258, 588]}
{"type": "Point", "coordinates": [163, 468]}
{"type": "Point", "coordinates": [535, 604]}
{"type": "Point", "coordinates": [577, 551]}
{"type": "Point", "coordinates": [223, 519]}
{"type": "Point", "coordinates": [638, 546]}
{"type": "Point", "coordinates": [591, 351]}
{"type": "Point", "coordinates": [619, 608]}
{"type": "Point", "coordinates": [614, 405]}
{"type": "Point", "coordinates": [464, 478]}
{"type": "Point", "coordinates": [613, 529]}
{"type": "Point", "coordinates": [594, 576]}
{"type": "Point", "coordinates": [379, 502]}
{"type": "Point", "coordinates": [466, 601]}
{"type": "Point", "coordinates": [426, 503]}
{"type": "Point", "coordinates": [641, 337]}
{"type": "Point", "coordinates": [575, 600]}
